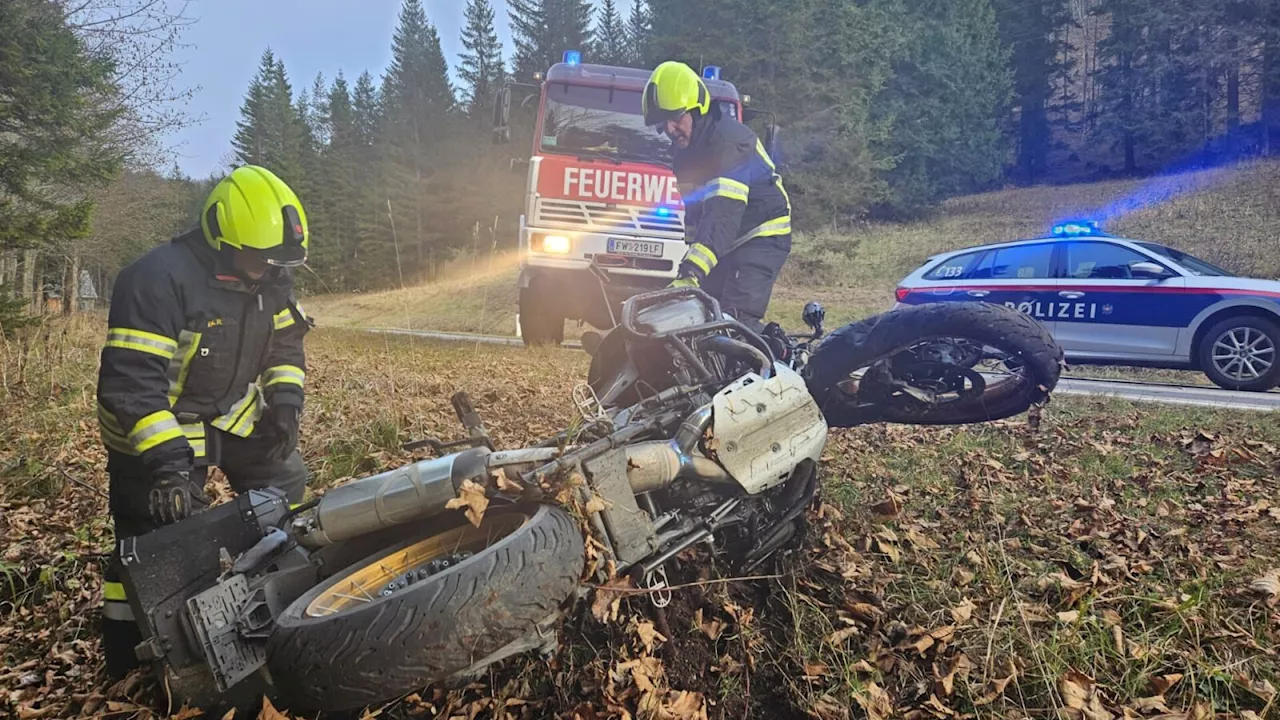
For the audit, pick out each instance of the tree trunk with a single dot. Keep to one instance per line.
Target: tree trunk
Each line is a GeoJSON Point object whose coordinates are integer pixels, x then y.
{"type": "Point", "coordinates": [9, 270]}
{"type": "Point", "coordinates": [31, 279]}
{"type": "Point", "coordinates": [1233, 85]}
{"type": "Point", "coordinates": [71, 285]}
{"type": "Point", "coordinates": [1270, 83]}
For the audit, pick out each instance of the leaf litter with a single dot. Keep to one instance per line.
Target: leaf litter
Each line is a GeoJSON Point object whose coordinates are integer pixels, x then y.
{"type": "Point", "coordinates": [974, 547]}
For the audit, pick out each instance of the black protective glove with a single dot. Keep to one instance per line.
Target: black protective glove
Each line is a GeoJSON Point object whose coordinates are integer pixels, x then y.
{"type": "Point", "coordinates": [174, 497]}
{"type": "Point", "coordinates": [280, 423]}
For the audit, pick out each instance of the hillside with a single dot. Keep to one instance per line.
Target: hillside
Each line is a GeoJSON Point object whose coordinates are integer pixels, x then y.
{"type": "Point", "coordinates": [1229, 216]}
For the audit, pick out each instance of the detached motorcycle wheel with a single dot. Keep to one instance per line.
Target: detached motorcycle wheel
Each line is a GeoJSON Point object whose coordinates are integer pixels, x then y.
{"type": "Point", "coordinates": [421, 611]}
{"type": "Point", "coordinates": [1027, 345]}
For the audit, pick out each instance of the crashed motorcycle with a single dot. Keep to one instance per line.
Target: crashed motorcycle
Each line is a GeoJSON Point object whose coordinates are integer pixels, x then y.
{"type": "Point", "coordinates": [694, 429]}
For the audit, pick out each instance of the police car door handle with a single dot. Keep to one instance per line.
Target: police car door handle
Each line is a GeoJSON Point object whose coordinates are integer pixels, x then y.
{"type": "Point", "coordinates": [1071, 294]}
{"type": "Point", "coordinates": [979, 293]}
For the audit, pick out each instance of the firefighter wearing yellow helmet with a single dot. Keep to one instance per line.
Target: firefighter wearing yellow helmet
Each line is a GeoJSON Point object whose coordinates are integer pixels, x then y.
{"type": "Point", "coordinates": [203, 366]}
{"type": "Point", "coordinates": [737, 213]}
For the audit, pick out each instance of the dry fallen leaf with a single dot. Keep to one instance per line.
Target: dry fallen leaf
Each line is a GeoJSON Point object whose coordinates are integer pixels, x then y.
{"type": "Point", "coordinates": [957, 669]}
{"type": "Point", "coordinates": [685, 706]}
{"type": "Point", "coordinates": [712, 628]}
{"type": "Point", "coordinates": [595, 504]}
{"type": "Point", "coordinates": [888, 508]}
{"type": "Point", "coordinates": [609, 597]}
{"type": "Point", "coordinates": [997, 686]}
{"type": "Point", "coordinates": [920, 540]}
{"type": "Point", "coordinates": [1080, 695]}
{"type": "Point", "coordinates": [186, 713]}
{"type": "Point", "coordinates": [470, 496]}
{"type": "Point", "coordinates": [269, 711]}
{"type": "Point", "coordinates": [875, 702]}
{"type": "Point", "coordinates": [649, 635]}
{"type": "Point", "coordinates": [814, 670]}
{"type": "Point", "coordinates": [1148, 705]}
{"type": "Point", "coordinates": [1268, 586]}
{"type": "Point", "coordinates": [961, 577]}
{"type": "Point", "coordinates": [828, 708]}
{"type": "Point", "coordinates": [1068, 616]}
{"type": "Point", "coordinates": [1261, 688]}
{"type": "Point", "coordinates": [963, 612]}
{"type": "Point", "coordinates": [1160, 684]}
{"type": "Point", "coordinates": [838, 637]}
{"type": "Point", "coordinates": [229, 715]}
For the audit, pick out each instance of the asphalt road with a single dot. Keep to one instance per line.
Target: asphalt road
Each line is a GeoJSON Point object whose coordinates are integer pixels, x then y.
{"type": "Point", "coordinates": [1142, 392]}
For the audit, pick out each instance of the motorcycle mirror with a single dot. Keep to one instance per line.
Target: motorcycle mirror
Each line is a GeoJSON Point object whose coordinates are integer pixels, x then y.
{"type": "Point", "coordinates": [814, 314]}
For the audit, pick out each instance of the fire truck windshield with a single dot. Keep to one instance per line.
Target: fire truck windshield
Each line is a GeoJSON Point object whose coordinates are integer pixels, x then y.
{"type": "Point", "coordinates": [595, 121]}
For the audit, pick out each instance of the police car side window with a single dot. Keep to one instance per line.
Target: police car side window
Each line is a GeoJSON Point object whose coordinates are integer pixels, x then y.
{"type": "Point", "coordinates": [1021, 262]}
{"type": "Point", "coordinates": [1102, 261]}
{"type": "Point", "coordinates": [956, 268]}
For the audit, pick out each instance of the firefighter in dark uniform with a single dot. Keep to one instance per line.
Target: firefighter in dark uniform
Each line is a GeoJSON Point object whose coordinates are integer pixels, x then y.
{"type": "Point", "coordinates": [203, 366]}
{"type": "Point", "coordinates": [737, 214]}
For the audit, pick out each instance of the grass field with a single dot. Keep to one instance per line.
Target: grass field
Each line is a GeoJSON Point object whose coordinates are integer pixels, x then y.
{"type": "Point", "coordinates": [1121, 561]}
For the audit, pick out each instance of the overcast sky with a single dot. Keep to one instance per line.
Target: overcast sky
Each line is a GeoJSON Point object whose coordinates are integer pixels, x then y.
{"type": "Point", "coordinates": [310, 36]}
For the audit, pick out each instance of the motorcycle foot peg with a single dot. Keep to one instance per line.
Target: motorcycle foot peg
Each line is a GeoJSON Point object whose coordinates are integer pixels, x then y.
{"type": "Point", "coordinates": [655, 583]}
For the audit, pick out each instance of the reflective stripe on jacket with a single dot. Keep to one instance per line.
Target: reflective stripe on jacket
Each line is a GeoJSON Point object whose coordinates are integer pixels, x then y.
{"type": "Point", "coordinates": [189, 346]}
{"type": "Point", "coordinates": [731, 189]}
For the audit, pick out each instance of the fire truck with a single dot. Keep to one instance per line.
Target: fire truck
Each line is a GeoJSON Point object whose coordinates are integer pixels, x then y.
{"type": "Point", "coordinates": [602, 217]}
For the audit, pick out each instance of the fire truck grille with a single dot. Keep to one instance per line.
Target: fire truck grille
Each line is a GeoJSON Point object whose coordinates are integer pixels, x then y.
{"type": "Point", "coordinates": [598, 217]}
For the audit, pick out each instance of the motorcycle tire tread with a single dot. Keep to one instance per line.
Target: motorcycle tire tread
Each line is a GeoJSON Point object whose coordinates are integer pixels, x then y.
{"type": "Point", "coordinates": [858, 344]}
{"type": "Point", "coordinates": [432, 629]}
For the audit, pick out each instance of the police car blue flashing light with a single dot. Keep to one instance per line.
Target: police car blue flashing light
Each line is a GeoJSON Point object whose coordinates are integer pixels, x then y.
{"type": "Point", "coordinates": [711, 72]}
{"type": "Point", "coordinates": [1077, 228]}
{"type": "Point", "coordinates": [1111, 300]}
{"type": "Point", "coordinates": [572, 57]}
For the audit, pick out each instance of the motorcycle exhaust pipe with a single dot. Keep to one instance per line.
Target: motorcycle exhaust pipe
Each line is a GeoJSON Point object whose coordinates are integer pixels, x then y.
{"type": "Point", "coordinates": [655, 465]}
{"type": "Point", "coordinates": [393, 497]}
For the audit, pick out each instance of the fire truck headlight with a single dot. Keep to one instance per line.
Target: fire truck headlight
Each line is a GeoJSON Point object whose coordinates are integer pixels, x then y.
{"type": "Point", "coordinates": [556, 244]}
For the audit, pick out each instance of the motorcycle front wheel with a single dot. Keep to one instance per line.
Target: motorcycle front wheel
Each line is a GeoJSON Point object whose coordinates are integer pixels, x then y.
{"type": "Point", "coordinates": [425, 609]}
{"type": "Point", "coordinates": [935, 364]}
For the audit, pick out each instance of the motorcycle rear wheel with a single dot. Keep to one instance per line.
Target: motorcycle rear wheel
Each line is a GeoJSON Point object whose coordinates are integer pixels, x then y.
{"type": "Point", "coordinates": [362, 637]}
{"type": "Point", "coordinates": [1033, 358]}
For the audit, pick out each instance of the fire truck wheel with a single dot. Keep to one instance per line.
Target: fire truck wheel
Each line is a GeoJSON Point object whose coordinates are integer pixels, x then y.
{"type": "Point", "coordinates": [541, 322]}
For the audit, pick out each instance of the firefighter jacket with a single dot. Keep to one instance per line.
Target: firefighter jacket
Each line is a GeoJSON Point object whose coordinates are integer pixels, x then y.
{"type": "Point", "coordinates": [732, 192]}
{"type": "Point", "coordinates": [190, 347]}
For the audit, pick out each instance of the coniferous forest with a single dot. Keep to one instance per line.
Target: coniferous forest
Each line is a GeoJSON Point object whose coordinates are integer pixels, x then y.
{"type": "Point", "coordinates": [885, 109]}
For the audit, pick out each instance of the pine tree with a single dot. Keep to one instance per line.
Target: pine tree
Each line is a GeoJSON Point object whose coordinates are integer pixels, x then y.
{"type": "Point", "coordinates": [610, 36]}
{"type": "Point", "coordinates": [59, 105]}
{"type": "Point", "coordinates": [481, 66]}
{"type": "Point", "coordinates": [418, 104]}
{"type": "Point", "coordinates": [371, 233]}
{"type": "Point", "coordinates": [270, 131]}
{"type": "Point", "coordinates": [543, 29]}
{"type": "Point", "coordinates": [1040, 59]}
{"type": "Point", "coordinates": [638, 31]}
{"type": "Point", "coordinates": [947, 97]}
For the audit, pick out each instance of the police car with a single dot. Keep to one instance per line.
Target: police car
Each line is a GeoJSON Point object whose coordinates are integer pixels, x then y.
{"type": "Point", "coordinates": [1115, 301]}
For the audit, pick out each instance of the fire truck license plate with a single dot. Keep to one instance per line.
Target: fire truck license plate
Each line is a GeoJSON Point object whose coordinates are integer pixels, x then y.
{"type": "Point", "coordinates": [647, 248]}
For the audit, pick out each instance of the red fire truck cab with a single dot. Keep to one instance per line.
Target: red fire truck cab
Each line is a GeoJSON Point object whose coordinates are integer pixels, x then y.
{"type": "Point", "coordinates": [600, 191]}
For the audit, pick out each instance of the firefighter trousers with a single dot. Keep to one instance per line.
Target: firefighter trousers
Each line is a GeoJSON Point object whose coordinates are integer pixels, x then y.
{"type": "Point", "coordinates": [248, 465]}
{"type": "Point", "coordinates": [743, 281]}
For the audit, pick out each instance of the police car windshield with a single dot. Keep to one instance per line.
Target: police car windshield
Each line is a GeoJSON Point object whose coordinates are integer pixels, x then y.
{"type": "Point", "coordinates": [1190, 262]}
{"type": "Point", "coordinates": [596, 121]}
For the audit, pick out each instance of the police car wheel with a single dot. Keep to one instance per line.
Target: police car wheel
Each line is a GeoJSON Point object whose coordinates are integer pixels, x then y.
{"type": "Point", "coordinates": [1242, 353]}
